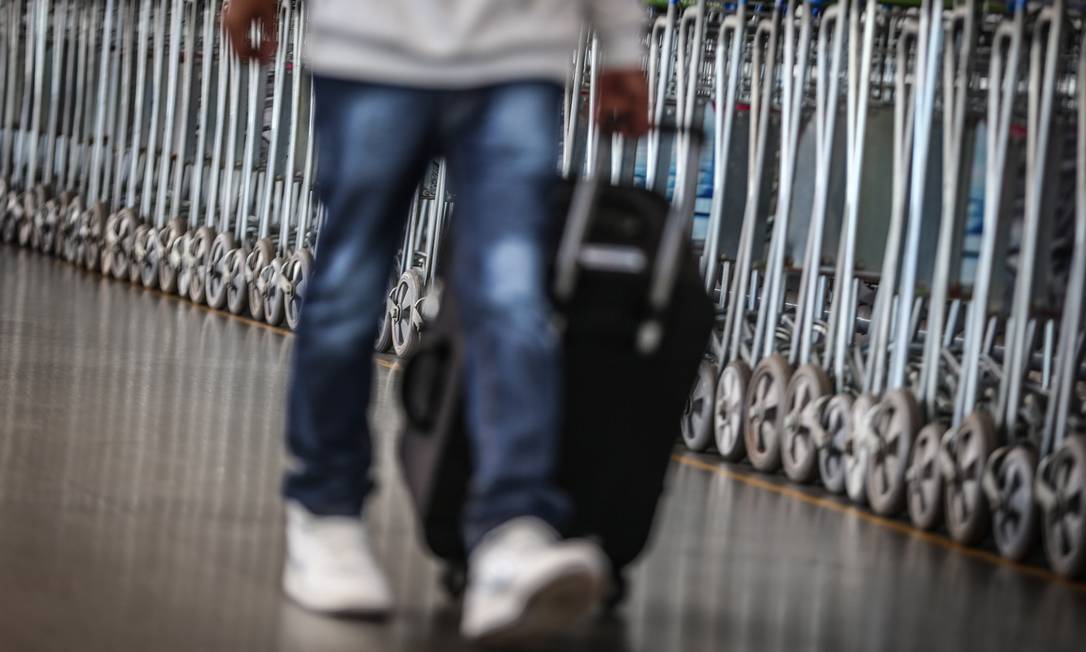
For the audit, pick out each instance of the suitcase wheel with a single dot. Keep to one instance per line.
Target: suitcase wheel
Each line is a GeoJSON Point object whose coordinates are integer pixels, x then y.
{"type": "Point", "coordinates": [454, 580]}
{"type": "Point", "coordinates": [617, 594]}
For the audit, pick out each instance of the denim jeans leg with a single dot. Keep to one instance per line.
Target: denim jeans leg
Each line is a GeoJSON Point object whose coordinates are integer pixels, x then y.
{"type": "Point", "coordinates": [373, 144]}
{"type": "Point", "coordinates": [503, 160]}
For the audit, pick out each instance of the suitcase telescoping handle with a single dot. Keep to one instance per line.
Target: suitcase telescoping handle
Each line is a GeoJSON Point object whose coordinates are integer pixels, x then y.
{"type": "Point", "coordinates": [669, 252]}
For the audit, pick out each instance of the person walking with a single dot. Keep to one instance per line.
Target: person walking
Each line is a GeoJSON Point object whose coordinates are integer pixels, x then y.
{"type": "Point", "coordinates": [480, 83]}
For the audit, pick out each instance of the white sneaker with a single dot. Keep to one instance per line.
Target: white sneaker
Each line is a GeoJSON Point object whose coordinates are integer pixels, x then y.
{"type": "Point", "coordinates": [525, 584]}
{"type": "Point", "coordinates": [330, 567]}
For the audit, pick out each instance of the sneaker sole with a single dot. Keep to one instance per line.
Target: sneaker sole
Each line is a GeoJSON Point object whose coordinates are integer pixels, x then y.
{"type": "Point", "coordinates": [330, 607]}
{"type": "Point", "coordinates": [554, 608]}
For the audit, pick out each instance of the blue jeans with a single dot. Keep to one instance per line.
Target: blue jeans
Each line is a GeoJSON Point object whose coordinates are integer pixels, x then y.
{"type": "Point", "coordinates": [375, 141]}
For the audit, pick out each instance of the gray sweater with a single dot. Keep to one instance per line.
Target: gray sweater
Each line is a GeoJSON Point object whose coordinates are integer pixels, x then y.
{"type": "Point", "coordinates": [464, 43]}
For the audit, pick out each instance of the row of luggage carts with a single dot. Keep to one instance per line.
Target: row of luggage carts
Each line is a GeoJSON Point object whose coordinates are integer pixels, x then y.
{"type": "Point", "coordinates": [891, 221]}
{"type": "Point", "coordinates": [896, 241]}
{"type": "Point", "coordinates": [138, 146]}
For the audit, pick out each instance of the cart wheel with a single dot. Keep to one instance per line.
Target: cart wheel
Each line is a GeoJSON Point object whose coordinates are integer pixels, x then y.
{"type": "Point", "coordinates": [123, 244]}
{"type": "Point", "coordinates": [57, 249]}
{"type": "Point", "coordinates": [259, 258]}
{"type": "Point", "coordinates": [179, 258]}
{"type": "Point", "coordinates": [856, 451]}
{"type": "Point", "coordinates": [169, 262]}
{"type": "Point", "coordinates": [297, 275]}
{"type": "Point", "coordinates": [383, 343]}
{"type": "Point", "coordinates": [139, 253]}
{"type": "Point", "coordinates": [49, 227]}
{"type": "Point", "coordinates": [10, 219]}
{"type": "Point", "coordinates": [617, 592]}
{"type": "Point", "coordinates": [233, 274]}
{"type": "Point", "coordinates": [454, 580]}
{"type": "Point", "coordinates": [210, 256]}
{"type": "Point", "coordinates": [9, 198]}
{"type": "Point", "coordinates": [897, 419]}
{"type": "Point", "coordinates": [92, 238]}
{"type": "Point", "coordinates": [406, 295]}
{"type": "Point", "coordinates": [111, 242]}
{"type": "Point", "coordinates": [25, 225]}
{"type": "Point", "coordinates": [111, 236]}
{"type": "Point", "coordinates": [72, 219]}
{"type": "Point", "coordinates": [58, 238]}
{"type": "Point", "coordinates": [174, 261]}
{"type": "Point", "coordinates": [154, 252]}
{"type": "Point", "coordinates": [78, 240]}
{"type": "Point", "coordinates": [765, 412]}
{"type": "Point", "coordinates": [24, 231]}
{"type": "Point", "coordinates": [831, 457]}
{"type": "Point", "coordinates": [67, 242]}
{"type": "Point", "coordinates": [92, 253]}
{"type": "Point", "coordinates": [923, 479]}
{"type": "Point", "coordinates": [968, 448]}
{"type": "Point", "coordinates": [697, 418]}
{"type": "Point", "coordinates": [798, 450]}
{"type": "Point", "coordinates": [275, 296]}
{"type": "Point", "coordinates": [37, 228]}
{"type": "Point", "coordinates": [1061, 490]}
{"type": "Point", "coordinates": [384, 331]}
{"type": "Point", "coordinates": [1015, 522]}
{"type": "Point", "coordinates": [729, 413]}
{"type": "Point", "coordinates": [198, 264]}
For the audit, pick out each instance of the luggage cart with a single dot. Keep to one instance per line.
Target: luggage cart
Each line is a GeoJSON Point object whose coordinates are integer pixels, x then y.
{"type": "Point", "coordinates": [1029, 338]}
{"type": "Point", "coordinates": [942, 345]}
{"type": "Point", "coordinates": [878, 69]}
{"type": "Point", "coordinates": [765, 396]}
{"type": "Point", "coordinates": [966, 446]}
{"type": "Point", "coordinates": [1060, 484]}
{"type": "Point", "coordinates": [158, 233]}
{"type": "Point", "coordinates": [418, 262]}
{"type": "Point", "coordinates": [266, 258]}
{"type": "Point", "coordinates": [190, 249]}
{"type": "Point", "coordinates": [809, 386]}
{"type": "Point", "coordinates": [297, 190]}
{"type": "Point", "coordinates": [735, 350]}
{"type": "Point", "coordinates": [828, 307]}
{"type": "Point", "coordinates": [164, 256]}
{"type": "Point", "coordinates": [725, 44]}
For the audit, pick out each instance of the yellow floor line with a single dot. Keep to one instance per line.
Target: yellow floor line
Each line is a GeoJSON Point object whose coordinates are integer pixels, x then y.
{"type": "Point", "coordinates": [886, 523]}
{"type": "Point", "coordinates": [278, 330]}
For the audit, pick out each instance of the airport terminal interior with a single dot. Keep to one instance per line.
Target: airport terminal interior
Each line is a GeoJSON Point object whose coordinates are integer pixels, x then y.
{"type": "Point", "coordinates": [139, 476]}
{"type": "Point", "coordinates": [849, 240]}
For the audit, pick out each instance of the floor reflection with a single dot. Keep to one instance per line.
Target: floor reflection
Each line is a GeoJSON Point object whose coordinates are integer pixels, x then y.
{"type": "Point", "coordinates": [140, 453]}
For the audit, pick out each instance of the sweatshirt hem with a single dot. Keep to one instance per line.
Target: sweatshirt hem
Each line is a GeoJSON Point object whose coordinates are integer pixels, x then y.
{"type": "Point", "coordinates": [360, 61]}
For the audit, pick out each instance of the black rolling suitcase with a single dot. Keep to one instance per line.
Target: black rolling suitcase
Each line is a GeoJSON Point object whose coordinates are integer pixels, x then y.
{"type": "Point", "coordinates": [636, 323]}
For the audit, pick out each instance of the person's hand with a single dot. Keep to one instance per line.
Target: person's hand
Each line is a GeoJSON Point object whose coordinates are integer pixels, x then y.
{"type": "Point", "coordinates": [623, 104]}
{"type": "Point", "coordinates": [239, 16]}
